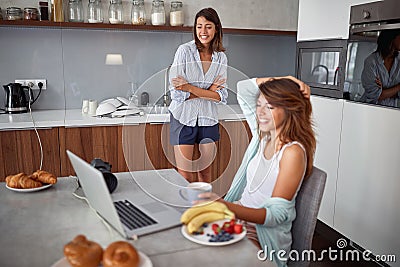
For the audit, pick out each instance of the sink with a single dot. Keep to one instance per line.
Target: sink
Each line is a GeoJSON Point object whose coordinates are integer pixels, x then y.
{"type": "Point", "coordinates": [156, 110]}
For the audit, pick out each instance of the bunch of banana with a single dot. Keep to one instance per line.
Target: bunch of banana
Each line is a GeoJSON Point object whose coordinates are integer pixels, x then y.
{"type": "Point", "coordinates": [206, 212]}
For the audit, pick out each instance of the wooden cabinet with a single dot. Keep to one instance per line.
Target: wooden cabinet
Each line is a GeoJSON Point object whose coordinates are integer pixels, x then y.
{"type": "Point", "coordinates": [158, 152]}
{"type": "Point", "coordinates": [126, 148]}
{"type": "Point", "coordinates": [235, 138]}
{"type": "Point", "coordinates": [20, 151]}
{"type": "Point", "coordinates": [108, 143]}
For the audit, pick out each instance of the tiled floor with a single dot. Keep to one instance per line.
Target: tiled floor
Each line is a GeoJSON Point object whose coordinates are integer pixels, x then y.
{"type": "Point", "coordinates": [321, 243]}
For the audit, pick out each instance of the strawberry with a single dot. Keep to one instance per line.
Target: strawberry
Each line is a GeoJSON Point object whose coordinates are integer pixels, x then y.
{"type": "Point", "coordinates": [215, 227]}
{"type": "Point", "coordinates": [227, 227]}
{"type": "Point", "coordinates": [238, 228]}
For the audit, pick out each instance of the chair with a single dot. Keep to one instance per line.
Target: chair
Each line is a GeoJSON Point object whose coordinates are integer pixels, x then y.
{"type": "Point", "coordinates": [308, 201]}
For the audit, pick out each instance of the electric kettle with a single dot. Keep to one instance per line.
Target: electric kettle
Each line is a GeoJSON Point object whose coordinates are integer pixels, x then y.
{"type": "Point", "coordinates": [16, 98]}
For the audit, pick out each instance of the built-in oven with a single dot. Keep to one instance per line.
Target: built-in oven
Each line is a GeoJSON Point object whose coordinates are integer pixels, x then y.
{"type": "Point", "coordinates": [370, 24]}
{"type": "Point", "coordinates": [321, 65]}
{"type": "Point", "coordinates": [336, 68]}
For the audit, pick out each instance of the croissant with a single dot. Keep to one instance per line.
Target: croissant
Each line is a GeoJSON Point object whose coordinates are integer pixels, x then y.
{"type": "Point", "coordinates": [12, 181]}
{"type": "Point", "coordinates": [21, 180]}
{"type": "Point", "coordinates": [44, 177]}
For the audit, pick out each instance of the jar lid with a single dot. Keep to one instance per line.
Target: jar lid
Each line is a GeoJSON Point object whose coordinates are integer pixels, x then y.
{"type": "Point", "coordinates": [115, 1]}
{"type": "Point", "coordinates": [14, 10]}
{"type": "Point", "coordinates": [137, 2]}
{"type": "Point", "coordinates": [176, 4]}
{"type": "Point", "coordinates": [31, 10]}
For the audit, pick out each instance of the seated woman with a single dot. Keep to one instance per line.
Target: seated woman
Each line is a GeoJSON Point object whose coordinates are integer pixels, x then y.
{"type": "Point", "coordinates": [279, 156]}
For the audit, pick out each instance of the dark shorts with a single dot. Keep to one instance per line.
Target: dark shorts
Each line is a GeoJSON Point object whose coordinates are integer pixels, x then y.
{"type": "Point", "coordinates": [186, 135]}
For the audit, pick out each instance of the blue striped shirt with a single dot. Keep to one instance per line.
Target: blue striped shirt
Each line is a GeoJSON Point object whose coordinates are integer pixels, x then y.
{"type": "Point", "coordinates": [374, 68]}
{"type": "Point", "coordinates": [187, 64]}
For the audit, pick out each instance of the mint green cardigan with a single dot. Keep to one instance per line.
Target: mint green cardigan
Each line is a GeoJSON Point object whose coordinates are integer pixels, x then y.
{"type": "Point", "coordinates": [275, 234]}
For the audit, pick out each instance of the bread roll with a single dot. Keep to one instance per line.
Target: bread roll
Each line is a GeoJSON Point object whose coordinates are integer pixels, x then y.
{"type": "Point", "coordinates": [120, 254]}
{"type": "Point", "coordinates": [81, 252]}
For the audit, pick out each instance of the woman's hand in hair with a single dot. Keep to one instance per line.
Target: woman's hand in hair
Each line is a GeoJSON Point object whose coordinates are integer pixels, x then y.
{"type": "Point", "coordinates": [304, 88]}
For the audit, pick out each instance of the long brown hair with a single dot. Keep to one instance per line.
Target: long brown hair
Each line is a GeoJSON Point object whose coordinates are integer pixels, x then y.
{"type": "Point", "coordinates": [297, 125]}
{"type": "Point", "coordinates": [211, 15]}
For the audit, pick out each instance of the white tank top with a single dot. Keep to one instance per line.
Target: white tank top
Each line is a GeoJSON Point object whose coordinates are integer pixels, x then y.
{"type": "Point", "coordinates": [261, 176]}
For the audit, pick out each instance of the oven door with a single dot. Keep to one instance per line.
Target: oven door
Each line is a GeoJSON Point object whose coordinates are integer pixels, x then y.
{"type": "Point", "coordinates": [321, 65]}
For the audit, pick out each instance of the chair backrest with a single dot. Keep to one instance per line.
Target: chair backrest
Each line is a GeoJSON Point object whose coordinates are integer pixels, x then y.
{"type": "Point", "coordinates": [308, 201]}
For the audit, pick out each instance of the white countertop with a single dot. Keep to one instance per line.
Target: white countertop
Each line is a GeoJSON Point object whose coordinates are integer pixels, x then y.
{"type": "Point", "coordinates": [74, 118]}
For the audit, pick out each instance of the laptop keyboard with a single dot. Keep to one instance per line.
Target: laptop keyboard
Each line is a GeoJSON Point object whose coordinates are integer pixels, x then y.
{"type": "Point", "coordinates": [131, 216]}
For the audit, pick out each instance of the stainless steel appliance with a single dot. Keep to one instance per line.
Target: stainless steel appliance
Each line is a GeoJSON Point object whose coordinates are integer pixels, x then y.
{"type": "Point", "coordinates": [369, 19]}
{"type": "Point", "coordinates": [366, 23]}
{"type": "Point", "coordinates": [18, 98]}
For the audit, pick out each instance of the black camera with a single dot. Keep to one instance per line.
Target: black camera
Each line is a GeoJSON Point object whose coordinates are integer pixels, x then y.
{"type": "Point", "coordinates": [105, 169]}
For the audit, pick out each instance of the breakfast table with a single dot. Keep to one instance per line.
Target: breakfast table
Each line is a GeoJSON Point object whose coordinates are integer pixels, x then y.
{"type": "Point", "coordinates": [36, 225]}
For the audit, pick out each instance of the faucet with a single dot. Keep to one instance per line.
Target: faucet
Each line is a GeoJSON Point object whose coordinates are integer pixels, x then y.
{"type": "Point", "coordinates": [324, 67]}
{"type": "Point", "coordinates": [166, 82]}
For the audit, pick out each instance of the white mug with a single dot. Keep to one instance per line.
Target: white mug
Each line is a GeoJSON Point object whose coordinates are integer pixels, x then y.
{"type": "Point", "coordinates": [191, 191]}
{"type": "Point", "coordinates": [85, 106]}
{"type": "Point", "coordinates": [92, 107]}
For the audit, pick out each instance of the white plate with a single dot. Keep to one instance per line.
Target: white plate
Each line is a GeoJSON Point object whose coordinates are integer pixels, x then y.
{"type": "Point", "coordinates": [203, 239]}
{"type": "Point", "coordinates": [29, 190]}
{"type": "Point", "coordinates": [144, 261]}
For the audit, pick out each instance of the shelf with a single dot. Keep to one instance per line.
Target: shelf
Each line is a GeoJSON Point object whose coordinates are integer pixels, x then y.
{"type": "Point", "coordinates": [130, 27]}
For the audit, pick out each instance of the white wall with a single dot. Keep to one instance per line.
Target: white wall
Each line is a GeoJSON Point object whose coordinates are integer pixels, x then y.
{"type": "Point", "coordinates": [325, 19]}
{"type": "Point", "coordinates": [255, 14]}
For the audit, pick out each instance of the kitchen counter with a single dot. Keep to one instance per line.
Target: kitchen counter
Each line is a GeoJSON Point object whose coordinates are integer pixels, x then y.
{"type": "Point", "coordinates": [36, 226]}
{"type": "Point", "coordinates": [74, 118]}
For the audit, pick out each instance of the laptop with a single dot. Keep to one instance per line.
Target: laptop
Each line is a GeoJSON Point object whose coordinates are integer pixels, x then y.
{"type": "Point", "coordinates": [131, 213]}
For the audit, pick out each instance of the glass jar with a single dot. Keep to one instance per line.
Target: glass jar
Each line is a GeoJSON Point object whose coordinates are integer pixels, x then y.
{"type": "Point", "coordinates": [176, 15]}
{"type": "Point", "coordinates": [115, 12]}
{"type": "Point", "coordinates": [57, 11]}
{"type": "Point", "coordinates": [13, 13]}
{"type": "Point", "coordinates": [1, 14]}
{"type": "Point", "coordinates": [75, 11]}
{"type": "Point", "coordinates": [44, 10]}
{"type": "Point", "coordinates": [31, 13]}
{"type": "Point", "coordinates": [157, 13]}
{"type": "Point", "coordinates": [95, 11]}
{"type": "Point", "coordinates": [138, 14]}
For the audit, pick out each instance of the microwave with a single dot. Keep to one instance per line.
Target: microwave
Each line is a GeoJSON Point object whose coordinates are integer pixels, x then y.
{"type": "Point", "coordinates": [321, 64]}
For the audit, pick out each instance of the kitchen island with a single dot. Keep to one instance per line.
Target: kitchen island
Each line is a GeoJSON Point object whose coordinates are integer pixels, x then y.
{"type": "Point", "coordinates": [36, 226]}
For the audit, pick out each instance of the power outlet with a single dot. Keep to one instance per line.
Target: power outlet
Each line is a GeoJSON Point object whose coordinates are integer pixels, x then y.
{"type": "Point", "coordinates": [34, 84]}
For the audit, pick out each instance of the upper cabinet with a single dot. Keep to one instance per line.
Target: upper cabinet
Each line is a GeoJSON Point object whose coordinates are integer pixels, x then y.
{"type": "Point", "coordinates": [325, 19]}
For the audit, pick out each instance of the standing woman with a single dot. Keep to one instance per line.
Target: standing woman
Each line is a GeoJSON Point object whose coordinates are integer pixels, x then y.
{"type": "Point", "coordinates": [381, 74]}
{"type": "Point", "coordinates": [197, 84]}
